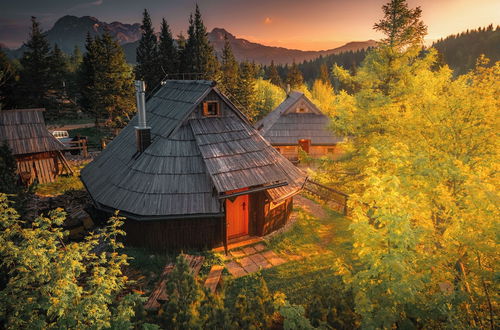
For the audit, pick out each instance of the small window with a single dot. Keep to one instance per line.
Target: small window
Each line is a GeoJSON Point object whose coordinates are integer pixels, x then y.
{"type": "Point", "coordinates": [330, 150]}
{"type": "Point", "coordinates": [301, 110]}
{"type": "Point", "coordinates": [211, 109]}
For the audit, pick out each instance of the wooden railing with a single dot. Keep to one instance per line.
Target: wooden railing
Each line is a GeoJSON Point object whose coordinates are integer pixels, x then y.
{"type": "Point", "coordinates": [78, 145]}
{"type": "Point", "coordinates": [337, 198]}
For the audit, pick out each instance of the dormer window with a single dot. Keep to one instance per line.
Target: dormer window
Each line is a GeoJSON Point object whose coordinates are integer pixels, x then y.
{"type": "Point", "coordinates": [211, 109]}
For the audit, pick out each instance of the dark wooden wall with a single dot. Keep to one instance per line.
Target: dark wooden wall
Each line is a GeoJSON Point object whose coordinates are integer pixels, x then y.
{"type": "Point", "coordinates": [42, 166]}
{"type": "Point", "coordinates": [277, 217]}
{"type": "Point", "coordinates": [263, 219]}
{"type": "Point", "coordinates": [174, 234]}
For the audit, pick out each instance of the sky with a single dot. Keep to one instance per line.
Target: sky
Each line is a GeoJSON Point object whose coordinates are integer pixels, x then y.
{"type": "Point", "coordinates": [298, 24]}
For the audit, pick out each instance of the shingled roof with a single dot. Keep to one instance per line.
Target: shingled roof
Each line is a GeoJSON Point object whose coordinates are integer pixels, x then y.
{"type": "Point", "coordinates": [191, 162]}
{"type": "Point", "coordinates": [284, 126]}
{"type": "Point", "coordinates": [25, 132]}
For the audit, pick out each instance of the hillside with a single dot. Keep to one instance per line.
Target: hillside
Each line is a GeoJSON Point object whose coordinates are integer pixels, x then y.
{"type": "Point", "coordinates": [460, 51]}
{"type": "Point", "coordinates": [70, 31]}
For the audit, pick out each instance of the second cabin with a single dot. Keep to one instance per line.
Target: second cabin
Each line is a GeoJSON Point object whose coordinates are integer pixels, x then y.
{"type": "Point", "coordinates": [297, 124]}
{"type": "Point", "coordinates": [191, 171]}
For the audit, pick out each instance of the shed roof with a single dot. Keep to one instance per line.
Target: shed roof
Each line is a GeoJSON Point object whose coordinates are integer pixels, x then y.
{"type": "Point", "coordinates": [25, 132]}
{"type": "Point", "coordinates": [282, 126]}
{"type": "Point", "coordinates": [191, 161]}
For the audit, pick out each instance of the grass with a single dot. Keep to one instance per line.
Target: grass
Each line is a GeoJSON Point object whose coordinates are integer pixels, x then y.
{"type": "Point", "coordinates": [70, 121]}
{"type": "Point", "coordinates": [323, 244]}
{"type": "Point", "coordinates": [62, 184]}
{"type": "Point", "coordinates": [94, 134]}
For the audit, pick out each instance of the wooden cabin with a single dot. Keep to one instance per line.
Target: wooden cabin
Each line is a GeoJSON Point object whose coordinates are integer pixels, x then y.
{"type": "Point", "coordinates": [38, 154]}
{"type": "Point", "coordinates": [299, 124]}
{"type": "Point", "coordinates": [197, 175]}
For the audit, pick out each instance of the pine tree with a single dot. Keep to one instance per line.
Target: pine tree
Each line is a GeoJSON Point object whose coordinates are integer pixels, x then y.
{"type": "Point", "coordinates": [58, 69]}
{"type": "Point", "coordinates": [324, 75]}
{"type": "Point", "coordinates": [8, 171]}
{"type": "Point", "coordinates": [167, 53]}
{"type": "Point", "coordinates": [181, 311]}
{"type": "Point", "coordinates": [199, 56]}
{"type": "Point", "coordinates": [294, 77]}
{"type": "Point", "coordinates": [35, 74]}
{"type": "Point", "coordinates": [229, 69]}
{"type": "Point", "coordinates": [8, 75]}
{"type": "Point", "coordinates": [244, 93]}
{"type": "Point", "coordinates": [401, 25]}
{"type": "Point", "coordinates": [273, 75]}
{"type": "Point", "coordinates": [106, 82]}
{"type": "Point", "coordinates": [148, 67]}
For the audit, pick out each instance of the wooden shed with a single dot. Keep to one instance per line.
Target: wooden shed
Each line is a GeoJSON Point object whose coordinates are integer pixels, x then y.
{"type": "Point", "coordinates": [204, 177]}
{"type": "Point", "coordinates": [37, 152]}
{"type": "Point", "coordinates": [298, 123]}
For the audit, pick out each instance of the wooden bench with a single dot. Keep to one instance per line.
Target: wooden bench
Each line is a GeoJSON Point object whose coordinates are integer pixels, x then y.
{"type": "Point", "coordinates": [214, 277]}
{"type": "Point", "coordinates": [159, 294]}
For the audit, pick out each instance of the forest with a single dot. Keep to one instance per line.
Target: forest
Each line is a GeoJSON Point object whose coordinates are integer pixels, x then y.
{"type": "Point", "coordinates": [420, 166]}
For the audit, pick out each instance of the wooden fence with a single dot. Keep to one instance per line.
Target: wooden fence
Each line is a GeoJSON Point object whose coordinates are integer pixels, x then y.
{"type": "Point", "coordinates": [330, 195]}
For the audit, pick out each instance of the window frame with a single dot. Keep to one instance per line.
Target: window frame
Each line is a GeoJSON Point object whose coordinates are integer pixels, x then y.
{"type": "Point", "coordinates": [205, 108]}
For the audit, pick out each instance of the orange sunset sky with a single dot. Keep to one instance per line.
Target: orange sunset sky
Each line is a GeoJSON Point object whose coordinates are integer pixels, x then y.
{"type": "Point", "coordinates": [307, 25]}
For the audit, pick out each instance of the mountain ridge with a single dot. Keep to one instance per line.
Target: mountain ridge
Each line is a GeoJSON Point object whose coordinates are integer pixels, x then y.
{"type": "Point", "coordinates": [70, 31]}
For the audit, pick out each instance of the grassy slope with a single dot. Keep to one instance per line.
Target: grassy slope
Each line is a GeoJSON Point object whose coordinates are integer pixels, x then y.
{"type": "Point", "coordinates": [323, 243]}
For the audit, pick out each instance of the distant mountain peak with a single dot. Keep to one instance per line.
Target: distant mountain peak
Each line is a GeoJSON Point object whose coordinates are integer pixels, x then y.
{"type": "Point", "coordinates": [220, 33]}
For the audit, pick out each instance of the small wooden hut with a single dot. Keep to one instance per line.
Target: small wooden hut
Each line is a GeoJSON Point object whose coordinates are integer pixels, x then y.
{"type": "Point", "coordinates": [298, 123]}
{"type": "Point", "coordinates": [37, 152]}
{"type": "Point", "coordinates": [198, 176]}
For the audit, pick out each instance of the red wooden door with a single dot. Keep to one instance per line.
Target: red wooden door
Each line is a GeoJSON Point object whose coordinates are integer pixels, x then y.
{"type": "Point", "coordinates": [304, 144]}
{"type": "Point", "coordinates": [237, 216]}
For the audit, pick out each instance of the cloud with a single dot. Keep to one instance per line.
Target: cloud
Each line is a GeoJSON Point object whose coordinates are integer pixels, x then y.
{"type": "Point", "coordinates": [268, 20]}
{"type": "Point", "coordinates": [87, 5]}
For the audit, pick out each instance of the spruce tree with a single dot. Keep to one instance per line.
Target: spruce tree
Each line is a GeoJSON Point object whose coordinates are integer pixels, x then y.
{"type": "Point", "coordinates": [106, 82]}
{"type": "Point", "coordinates": [401, 25]}
{"type": "Point", "coordinates": [229, 68]}
{"type": "Point", "coordinates": [244, 92]}
{"type": "Point", "coordinates": [324, 75]}
{"type": "Point", "coordinates": [59, 68]}
{"type": "Point", "coordinates": [184, 294]}
{"type": "Point", "coordinates": [273, 75]}
{"type": "Point", "coordinates": [8, 168]}
{"type": "Point", "coordinates": [199, 55]}
{"type": "Point", "coordinates": [148, 67]}
{"type": "Point", "coordinates": [168, 58]}
{"type": "Point", "coordinates": [8, 74]}
{"type": "Point", "coordinates": [35, 74]}
{"type": "Point", "coordinates": [294, 77]}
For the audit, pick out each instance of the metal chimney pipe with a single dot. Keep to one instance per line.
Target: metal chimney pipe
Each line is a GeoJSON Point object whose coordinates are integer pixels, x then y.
{"type": "Point", "coordinates": [140, 91]}
{"type": "Point", "coordinates": [142, 131]}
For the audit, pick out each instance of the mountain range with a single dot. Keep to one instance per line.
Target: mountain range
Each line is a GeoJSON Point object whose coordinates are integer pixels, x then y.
{"type": "Point", "coordinates": [70, 31]}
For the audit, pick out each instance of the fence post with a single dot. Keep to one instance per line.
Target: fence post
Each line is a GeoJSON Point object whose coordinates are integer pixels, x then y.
{"type": "Point", "coordinates": [345, 206]}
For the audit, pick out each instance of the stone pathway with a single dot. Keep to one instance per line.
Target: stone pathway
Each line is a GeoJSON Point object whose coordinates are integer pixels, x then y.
{"type": "Point", "coordinates": [251, 259]}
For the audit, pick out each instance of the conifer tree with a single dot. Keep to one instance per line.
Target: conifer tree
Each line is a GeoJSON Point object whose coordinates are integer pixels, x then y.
{"type": "Point", "coordinates": [58, 69]}
{"type": "Point", "coordinates": [106, 82]}
{"type": "Point", "coordinates": [294, 77]}
{"type": "Point", "coordinates": [167, 53]}
{"type": "Point", "coordinates": [401, 25]}
{"type": "Point", "coordinates": [229, 69]}
{"type": "Point", "coordinates": [199, 56]}
{"type": "Point", "coordinates": [324, 74]}
{"type": "Point", "coordinates": [148, 68]}
{"type": "Point", "coordinates": [244, 93]}
{"type": "Point", "coordinates": [8, 75]}
{"type": "Point", "coordinates": [181, 311]}
{"type": "Point", "coordinates": [35, 74]}
{"type": "Point", "coordinates": [8, 169]}
{"type": "Point", "coordinates": [273, 75]}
